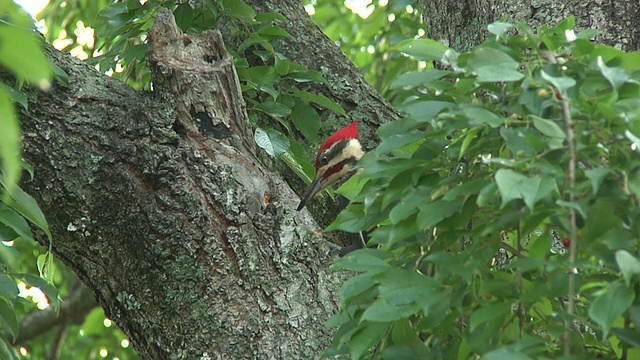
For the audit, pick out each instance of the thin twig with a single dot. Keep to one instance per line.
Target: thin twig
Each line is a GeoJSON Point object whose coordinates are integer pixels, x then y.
{"type": "Point", "coordinates": [512, 250]}
{"type": "Point", "coordinates": [573, 237]}
{"type": "Point", "coordinates": [58, 342]}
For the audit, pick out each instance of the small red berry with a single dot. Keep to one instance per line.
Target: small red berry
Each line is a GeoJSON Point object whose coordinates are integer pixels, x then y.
{"type": "Point", "coordinates": [558, 96]}
{"type": "Point", "coordinates": [566, 242]}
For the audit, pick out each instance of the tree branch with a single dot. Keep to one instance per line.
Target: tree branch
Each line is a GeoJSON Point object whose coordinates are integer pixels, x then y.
{"type": "Point", "coordinates": [73, 310]}
{"type": "Point", "coordinates": [573, 236]}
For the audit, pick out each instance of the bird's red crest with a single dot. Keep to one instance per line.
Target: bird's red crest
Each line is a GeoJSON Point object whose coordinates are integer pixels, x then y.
{"type": "Point", "coordinates": [347, 132]}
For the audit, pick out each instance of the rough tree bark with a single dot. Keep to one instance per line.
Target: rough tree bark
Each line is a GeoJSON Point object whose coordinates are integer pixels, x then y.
{"type": "Point", "coordinates": [161, 208]}
{"type": "Point", "coordinates": [463, 24]}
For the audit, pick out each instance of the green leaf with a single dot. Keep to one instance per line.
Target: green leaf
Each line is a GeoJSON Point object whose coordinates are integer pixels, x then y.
{"type": "Point", "coordinates": [272, 108]}
{"type": "Point", "coordinates": [629, 265]}
{"type": "Point", "coordinates": [399, 140]}
{"type": "Point", "coordinates": [306, 120]}
{"type": "Point", "coordinates": [524, 265]}
{"type": "Point", "coordinates": [382, 167]}
{"type": "Point", "coordinates": [269, 16]}
{"type": "Point", "coordinates": [21, 52]}
{"type": "Point", "coordinates": [272, 141]}
{"type": "Point", "coordinates": [8, 320]}
{"type": "Point", "coordinates": [362, 260]}
{"type": "Point", "coordinates": [338, 319]}
{"type": "Point", "coordinates": [136, 52]}
{"type": "Point", "coordinates": [568, 23]}
{"type": "Point", "coordinates": [540, 246]}
{"type": "Point", "coordinates": [631, 61]}
{"type": "Point", "coordinates": [508, 182]}
{"type": "Point", "coordinates": [403, 287]}
{"type": "Point", "coordinates": [416, 78]}
{"type": "Point", "coordinates": [383, 311]}
{"type": "Point", "coordinates": [60, 75]}
{"type": "Point", "coordinates": [318, 99]}
{"type": "Point", "coordinates": [602, 218]}
{"type": "Point", "coordinates": [536, 188]}
{"type": "Point", "coordinates": [611, 304]}
{"type": "Point", "coordinates": [488, 313]}
{"type": "Point", "coordinates": [273, 32]}
{"type": "Point", "coordinates": [365, 338]}
{"type": "Point", "coordinates": [7, 351]}
{"type": "Point", "coordinates": [298, 160]}
{"type": "Point", "coordinates": [45, 266]}
{"type": "Point", "coordinates": [505, 354]}
{"type": "Point", "coordinates": [390, 235]}
{"type": "Point", "coordinates": [354, 287]}
{"type": "Point", "coordinates": [422, 49]}
{"type": "Point", "coordinates": [263, 77]}
{"type": "Point", "coordinates": [9, 144]}
{"type": "Point", "coordinates": [596, 176]}
{"type": "Point", "coordinates": [469, 136]}
{"type": "Point", "coordinates": [253, 39]}
{"type": "Point", "coordinates": [352, 187]}
{"type": "Point", "coordinates": [521, 138]}
{"type": "Point", "coordinates": [513, 185]}
{"type": "Point", "coordinates": [352, 219]}
{"type": "Point", "coordinates": [404, 334]}
{"type": "Point", "coordinates": [574, 205]}
{"type": "Point", "coordinates": [479, 116]}
{"type": "Point", "coordinates": [616, 239]}
{"type": "Point", "coordinates": [548, 127]}
{"type": "Point", "coordinates": [14, 221]}
{"type": "Point", "coordinates": [8, 288]}
{"type": "Point", "coordinates": [27, 207]}
{"type": "Point", "coordinates": [491, 65]}
{"type": "Point", "coordinates": [407, 206]}
{"type": "Point", "coordinates": [281, 64]}
{"type": "Point", "coordinates": [499, 29]}
{"type": "Point", "coordinates": [184, 16]}
{"type": "Point", "coordinates": [16, 96]}
{"type": "Point", "coordinates": [630, 336]}
{"type": "Point", "coordinates": [425, 110]}
{"type": "Point", "coordinates": [562, 83]}
{"type": "Point", "coordinates": [615, 75]}
{"type": "Point", "coordinates": [238, 9]}
{"type": "Point", "coordinates": [307, 76]}
{"type": "Point", "coordinates": [434, 212]}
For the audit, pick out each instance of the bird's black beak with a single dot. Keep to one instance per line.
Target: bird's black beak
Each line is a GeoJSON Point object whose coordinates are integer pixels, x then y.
{"type": "Point", "coordinates": [313, 189]}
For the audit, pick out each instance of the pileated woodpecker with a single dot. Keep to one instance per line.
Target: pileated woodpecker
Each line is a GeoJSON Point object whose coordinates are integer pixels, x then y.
{"type": "Point", "coordinates": [336, 159]}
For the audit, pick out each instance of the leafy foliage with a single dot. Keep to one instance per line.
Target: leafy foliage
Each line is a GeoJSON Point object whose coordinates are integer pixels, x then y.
{"type": "Point", "coordinates": [467, 197]}
{"type": "Point", "coordinates": [21, 54]}
{"type": "Point", "coordinates": [370, 36]}
{"type": "Point", "coordinates": [28, 64]}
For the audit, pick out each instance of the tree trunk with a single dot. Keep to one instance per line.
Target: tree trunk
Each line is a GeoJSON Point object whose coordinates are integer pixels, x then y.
{"type": "Point", "coordinates": [188, 242]}
{"type": "Point", "coordinates": [463, 24]}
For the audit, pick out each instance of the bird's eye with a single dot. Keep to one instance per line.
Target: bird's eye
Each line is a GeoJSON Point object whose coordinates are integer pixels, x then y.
{"type": "Point", "coordinates": [324, 160]}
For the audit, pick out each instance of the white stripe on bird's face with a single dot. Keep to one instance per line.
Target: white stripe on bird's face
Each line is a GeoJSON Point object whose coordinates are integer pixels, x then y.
{"type": "Point", "coordinates": [334, 163]}
{"type": "Point", "coordinates": [339, 160]}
